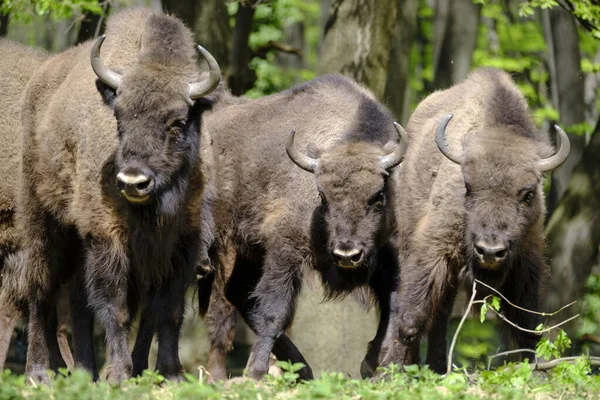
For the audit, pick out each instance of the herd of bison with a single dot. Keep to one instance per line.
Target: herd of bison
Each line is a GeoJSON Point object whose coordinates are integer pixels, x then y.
{"type": "Point", "coordinates": [128, 176]}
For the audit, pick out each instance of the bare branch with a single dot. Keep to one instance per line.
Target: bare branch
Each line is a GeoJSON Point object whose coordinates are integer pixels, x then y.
{"type": "Point", "coordinates": [506, 353]}
{"type": "Point", "coordinates": [462, 321]}
{"type": "Point", "coordinates": [530, 330]}
{"type": "Point", "coordinates": [590, 338]}
{"type": "Point", "coordinates": [544, 366]}
{"type": "Point", "coordinates": [281, 47]}
{"type": "Point", "coordinates": [544, 314]}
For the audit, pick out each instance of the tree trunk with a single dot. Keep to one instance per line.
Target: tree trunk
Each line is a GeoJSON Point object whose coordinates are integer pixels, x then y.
{"type": "Point", "coordinates": [357, 41]}
{"type": "Point", "coordinates": [397, 85]}
{"type": "Point", "coordinates": [210, 23]}
{"type": "Point", "coordinates": [92, 25]}
{"type": "Point", "coordinates": [239, 80]}
{"type": "Point", "coordinates": [456, 25]}
{"type": "Point", "coordinates": [3, 25]}
{"type": "Point", "coordinates": [567, 85]}
{"type": "Point", "coordinates": [212, 31]}
{"type": "Point", "coordinates": [573, 233]}
{"type": "Point", "coordinates": [294, 37]}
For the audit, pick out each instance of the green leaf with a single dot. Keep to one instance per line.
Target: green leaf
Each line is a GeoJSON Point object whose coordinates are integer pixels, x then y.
{"type": "Point", "coordinates": [495, 303]}
{"type": "Point", "coordinates": [483, 312]}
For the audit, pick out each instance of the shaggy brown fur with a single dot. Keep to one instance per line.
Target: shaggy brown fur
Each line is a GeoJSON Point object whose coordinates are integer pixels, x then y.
{"type": "Point", "coordinates": [78, 134]}
{"type": "Point", "coordinates": [440, 220]}
{"type": "Point", "coordinates": [276, 220]}
{"type": "Point", "coordinates": [16, 67]}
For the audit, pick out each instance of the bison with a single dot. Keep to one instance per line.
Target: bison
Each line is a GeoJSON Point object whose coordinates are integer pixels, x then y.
{"type": "Point", "coordinates": [113, 169]}
{"type": "Point", "coordinates": [331, 211]}
{"type": "Point", "coordinates": [16, 67]}
{"type": "Point", "coordinates": [472, 208]}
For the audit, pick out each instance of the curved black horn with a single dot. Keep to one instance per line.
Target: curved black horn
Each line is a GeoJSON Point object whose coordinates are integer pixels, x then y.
{"type": "Point", "coordinates": [303, 161]}
{"type": "Point", "coordinates": [396, 156]}
{"type": "Point", "coordinates": [203, 88]}
{"type": "Point", "coordinates": [442, 144]}
{"type": "Point", "coordinates": [555, 161]}
{"type": "Point", "coordinates": [106, 75]}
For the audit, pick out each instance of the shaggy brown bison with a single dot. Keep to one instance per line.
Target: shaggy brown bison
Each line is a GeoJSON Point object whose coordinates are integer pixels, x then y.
{"type": "Point", "coordinates": [473, 207]}
{"type": "Point", "coordinates": [16, 67]}
{"type": "Point", "coordinates": [274, 220]}
{"type": "Point", "coordinates": [114, 165]}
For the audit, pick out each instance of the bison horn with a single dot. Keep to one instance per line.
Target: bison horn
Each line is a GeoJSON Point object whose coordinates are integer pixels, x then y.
{"type": "Point", "coordinates": [303, 161]}
{"type": "Point", "coordinates": [106, 75]}
{"type": "Point", "coordinates": [555, 161]}
{"type": "Point", "coordinates": [203, 88]}
{"type": "Point", "coordinates": [442, 144]}
{"type": "Point", "coordinates": [396, 156]}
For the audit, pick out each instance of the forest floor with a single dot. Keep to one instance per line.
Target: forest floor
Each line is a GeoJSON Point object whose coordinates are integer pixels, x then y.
{"type": "Point", "coordinates": [513, 381]}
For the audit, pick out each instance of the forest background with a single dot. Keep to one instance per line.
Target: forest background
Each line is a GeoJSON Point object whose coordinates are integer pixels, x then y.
{"type": "Point", "coordinates": [402, 50]}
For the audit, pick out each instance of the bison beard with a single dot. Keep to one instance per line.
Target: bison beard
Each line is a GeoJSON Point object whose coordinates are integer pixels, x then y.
{"type": "Point", "coordinates": [270, 226]}
{"type": "Point", "coordinates": [117, 171]}
{"type": "Point", "coordinates": [475, 212]}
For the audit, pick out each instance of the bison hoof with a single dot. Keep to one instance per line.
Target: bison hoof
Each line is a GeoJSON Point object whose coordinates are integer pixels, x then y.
{"type": "Point", "coordinates": [366, 369]}
{"type": "Point", "coordinates": [217, 374]}
{"type": "Point", "coordinates": [117, 376]}
{"type": "Point", "coordinates": [38, 375]}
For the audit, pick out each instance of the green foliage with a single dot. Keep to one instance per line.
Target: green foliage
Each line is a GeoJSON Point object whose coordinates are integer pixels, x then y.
{"type": "Point", "coordinates": [590, 307]}
{"type": "Point", "coordinates": [510, 381]}
{"type": "Point", "coordinates": [547, 348]}
{"type": "Point", "coordinates": [271, 18]}
{"type": "Point", "coordinates": [489, 302]}
{"type": "Point", "coordinates": [25, 9]}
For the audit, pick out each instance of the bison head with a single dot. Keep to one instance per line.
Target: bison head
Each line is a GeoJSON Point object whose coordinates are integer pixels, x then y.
{"type": "Point", "coordinates": [352, 181]}
{"type": "Point", "coordinates": [158, 124]}
{"type": "Point", "coordinates": [503, 196]}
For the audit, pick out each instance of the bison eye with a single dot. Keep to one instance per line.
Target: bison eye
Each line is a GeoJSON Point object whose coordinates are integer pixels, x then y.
{"type": "Point", "coordinates": [176, 127]}
{"type": "Point", "coordinates": [323, 199]}
{"type": "Point", "coordinates": [378, 200]}
{"type": "Point", "coordinates": [528, 197]}
{"type": "Point", "coordinates": [468, 189]}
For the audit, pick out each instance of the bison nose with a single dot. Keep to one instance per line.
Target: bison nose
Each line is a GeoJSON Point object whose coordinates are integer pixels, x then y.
{"type": "Point", "coordinates": [348, 256]}
{"type": "Point", "coordinates": [135, 184]}
{"type": "Point", "coordinates": [491, 255]}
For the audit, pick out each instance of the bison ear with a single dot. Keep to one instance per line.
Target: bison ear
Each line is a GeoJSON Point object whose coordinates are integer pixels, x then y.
{"type": "Point", "coordinates": [313, 151]}
{"type": "Point", "coordinates": [108, 94]}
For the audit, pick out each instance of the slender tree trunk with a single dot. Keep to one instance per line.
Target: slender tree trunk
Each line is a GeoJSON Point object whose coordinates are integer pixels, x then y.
{"type": "Point", "coordinates": [357, 40]}
{"type": "Point", "coordinates": [4, 24]}
{"type": "Point", "coordinates": [567, 85]}
{"type": "Point", "coordinates": [397, 85]}
{"type": "Point", "coordinates": [239, 80]}
{"type": "Point", "coordinates": [92, 25]}
{"type": "Point", "coordinates": [573, 233]}
{"type": "Point", "coordinates": [294, 37]}
{"type": "Point", "coordinates": [210, 23]}
{"type": "Point", "coordinates": [455, 36]}
{"type": "Point", "coordinates": [212, 31]}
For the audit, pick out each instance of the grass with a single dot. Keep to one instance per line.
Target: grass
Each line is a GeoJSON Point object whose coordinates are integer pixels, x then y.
{"type": "Point", "coordinates": [513, 381]}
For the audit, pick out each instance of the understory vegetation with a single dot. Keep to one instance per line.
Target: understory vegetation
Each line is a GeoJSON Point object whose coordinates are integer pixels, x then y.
{"type": "Point", "coordinates": [512, 381]}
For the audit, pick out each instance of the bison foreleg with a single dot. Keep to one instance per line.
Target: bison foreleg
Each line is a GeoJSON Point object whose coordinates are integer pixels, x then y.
{"type": "Point", "coordinates": [8, 319]}
{"type": "Point", "coordinates": [171, 305]}
{"type": "Point", "coordinates": [423, 290]}
{"type": "Point", "coordinates": [82, 318]}
{"type": "Point", "coordinates": [275, 295]}
{"type": "Point", "coordinates": [383, 283]}
{"type": "Point", "coordinates": [221, 319]}
{"type": "Point", "coordinates": [63, 319]}
{"type": "Point", "coordinates": [145, 334]}
{"type": "Point", "coordinates": [107, 268]}
{"type": "Point", "coordinates": [522, 288]}
{"type": "Point", "coordinates": [437, 341]}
